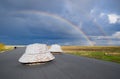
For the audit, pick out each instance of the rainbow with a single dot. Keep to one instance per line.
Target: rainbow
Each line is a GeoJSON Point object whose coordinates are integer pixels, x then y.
{"type": "Point", "coordinates": [96, 23]}
{"type": "Point", "coordinates": [103, 32]}
{"type": "Point", "coordinates": [63, 20]}
{"type": "Point", "coordinates": [98, 26]}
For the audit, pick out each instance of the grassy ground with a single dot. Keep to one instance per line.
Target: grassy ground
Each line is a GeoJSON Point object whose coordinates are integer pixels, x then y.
{"type": "Point", "coordinates": [107, 53]}
{"type": "Point", "coordinates": [4, 48]}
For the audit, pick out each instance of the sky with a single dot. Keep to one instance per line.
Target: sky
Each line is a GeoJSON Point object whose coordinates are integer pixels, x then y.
{"type": "Point", "coordinates": [65, 22]}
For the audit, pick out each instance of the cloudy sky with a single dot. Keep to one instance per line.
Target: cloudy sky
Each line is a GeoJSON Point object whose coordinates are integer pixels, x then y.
{"type": "Point", "coordinates": [66, 22]}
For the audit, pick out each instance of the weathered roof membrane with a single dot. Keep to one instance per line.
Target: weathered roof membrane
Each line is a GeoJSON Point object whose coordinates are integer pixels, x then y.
{"type": "Point", "coordinates": [36, 53]}
{"type": "Point", "coordinates": [55, 48]}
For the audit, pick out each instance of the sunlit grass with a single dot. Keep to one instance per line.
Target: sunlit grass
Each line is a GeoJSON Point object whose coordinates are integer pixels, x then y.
{"type": "Point", "coordinates": [4, 48]}
{"type": "Point", "coordinates": [109, 53]}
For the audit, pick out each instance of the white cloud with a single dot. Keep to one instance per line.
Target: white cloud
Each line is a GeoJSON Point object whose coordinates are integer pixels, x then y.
{"type": "Point", "coordinates": [92, 11]}
{"type": "Point", "coordinates": [104, 37]}
{"type": "Point", "coordinates": [102, 14]}
{"type": "Point", "coordinates": [95, 20]}
{"type": "Point", "coordinates": [116, 35]}
{"type": "Point", "coordinates": [113, 18]}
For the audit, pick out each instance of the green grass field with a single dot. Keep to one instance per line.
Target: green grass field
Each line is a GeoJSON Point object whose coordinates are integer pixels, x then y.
{"type": "Point", "coordinates": [107, 53]}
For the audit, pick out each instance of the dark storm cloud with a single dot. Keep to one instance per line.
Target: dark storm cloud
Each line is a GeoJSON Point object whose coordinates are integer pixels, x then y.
{"type": "Point", "coordinates": [109, 6]}
{"type": "Point", "coordinates": [43, 5]}
{"type": "Point", "coordinates": [81, 13]}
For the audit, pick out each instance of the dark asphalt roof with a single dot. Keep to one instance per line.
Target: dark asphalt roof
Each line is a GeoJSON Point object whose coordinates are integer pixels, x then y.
{"type": "Point", "coordinates": [64, 66]}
